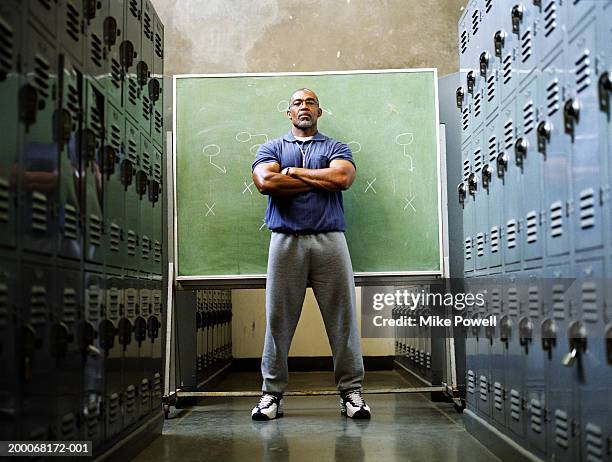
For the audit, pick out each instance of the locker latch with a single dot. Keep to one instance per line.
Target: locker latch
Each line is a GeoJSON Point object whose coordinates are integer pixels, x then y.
{"type": "Point", "coordinates": [142, 72]}
{"type": "Point", "coordinates": [461, 191]}
{"type": "Point", "coordinates": [141, 183]}
{"type": "Point", "coordinates": [471, 81]}
{"type": "Point", "coordinates": [153, 191]}
{"type": "Point", "coordinates": [505, 329]}
{"type": "Point", "coordinates": [125, 332]}
{"type": "Point", "coordinates": [127, 173]}
{"type": "Point", "coordinates": [490, 333]}
{"type": "Point", "coordinates": [499, 40]}
{"type": "Point", "coordinates": [475, 327]}
{"type": "Point", "coordinates": [140, 330]}
{"type": "Point", "coordinates": [110, 159]}
{"type": "Point", "coordinates": [605, 88]}
{"type": "Point", "coordinates": [502, 164]}
{"type": "Point", "coordinates": [484, 63]}
{"type": "Point", "coordinates": [89, 9]}
{"type": "Point", "coordinates": [577, 343]}
{"type": "Point", "coordinates": [62, 127]}
{"type": "Point", "coordinates": [127, 54]}
{"type": "Point", "coordinates": [86, 338]}
{"type": "Point", "coordinates": [487, 175]}
{"type": "Point", "coordinates": [525, 333]}
{"type": "Point", "coordinates": [543, 134]}
{"type": "Point", "coordinates": [88, 144]}
{"type": "Point", "coordinates": [517, 18]}
{"type": "Point", "coordinates": [61, 336]}
{"type": "Point", "coordinates": [520, 151]}
{"type": "Point", "coordinates": [154, 90]}
{"type": "Point", "coordinates": [108, 331]}
{"type": "Point", "coordinates": [472, 184]}
{"type": "Point", "coordinates": [537, 3]}
{"type": "Point", "coordinates": [110, 31]}
{"type": "Point", "coordinates": [571, 116]}
{"type": "Point", "coordinates": [153, 326]}
{"type": "Point", "coordinates": [608, 337]}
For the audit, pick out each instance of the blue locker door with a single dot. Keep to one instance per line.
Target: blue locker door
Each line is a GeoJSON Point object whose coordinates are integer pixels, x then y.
{"type": "Point", "coordinates": [478, 195]}
{"type": "Point", "coordinates": [493, 187]}
{"type": "Point", "coordinates": [505, 45]}
{"type": "Point", "coordinates": [550, 33]}
{"type": "Point", "coordinates": [529, 161]}
{"type": "Point", "coordinates": [604, 36]}
{"type": "Point", "coordinates": [552, 145]}
{"type": "Point", "coordinates": [581, 117]}
{"type": "Point", "coordinates": [523, 17]}
{"type": "Point", "coordinates": [498, 364]}
{"type": "Point", "coordinates": [468, 211]}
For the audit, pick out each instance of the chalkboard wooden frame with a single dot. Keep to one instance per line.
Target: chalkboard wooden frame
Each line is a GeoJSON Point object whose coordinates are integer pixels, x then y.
{"type": "Point", "coordinates": [258, 280]}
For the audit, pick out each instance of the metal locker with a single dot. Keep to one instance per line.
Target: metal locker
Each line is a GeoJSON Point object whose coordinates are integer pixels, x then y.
{"type": "Point", "coordinates": [114, 33]}
{"type": "Point", "coordinates": [505, 46]}
{"type": "Point", "coordinates": [144, 68]}
{"type": "Point", "coordinates": [155, 90]}
{"type": "Point", "coordinates": [133, 194]}
{"type": "Point", "coordinates": [510, 175]}
{"type": "Point", "coordinates": [92, 351]}
{"type": "Point", "coordinates": [581, 117]}
{"type": "Point", "coordinates": [100, 34]}
{"type": "Point", "coordinates": [476, 89]}
{"type": "Point", "coordinates": [604, 84]}
{"type": "Point", "coordinates": [155, 192]}
{"type": "Point", "coordinates": [71, 20]}
{"type": "Point", "coordinates": [479, 344]}
{"type": "Point", "coordinates": [67, 382]}
{"type": "Point", "coordinates": [140, 336]}
{"type": "Point", "coordinates": [72, 142]}
{"type": "Point", "coordinates": [118, 176]}
{"type": "Point", "coordinates": [492, 187]}
{"type": "Point", "coordinates": [130, 350]}
{"type": "Point", "coordinates": [113, 352]}
{"type": "Point", "coordinates": [561, 382]}
{"type": "Point", "coordinates": [592, 364]}
{"type": "Point", "coordinates": [154, 325]}
{"type": "Point", "coordinates": [477, 195]}
{"type": "Point", "coordinates": [552, 145]}
{"type": "Point", "coordinates": [130, 55]}
{"type": "Point", "coordinates": [498, 351]}
{"type": "Point", "coordinates": [147, 217]}
{"type": "Point", "coordinates": [132, 26]}
{"type": "Point", "coordinates": [576, 11]}
{"type": "Point", "coordinates": [10, 82]}
{"type": "Point", "coordinates": [44, 15]}
{"type": "Point", "coordinates": [92, 173]}
{"type": "Point", "coordinates": [529, 162]}
{"type": "Point", "coordinates": [549, 24]}
{"type": "Point", "coordinates": [468, 210]}
{"type": "Point", "coordinates": [39, 154]}
{"type": "Point", "coordinates": [9, 358]}
{"type": "Point", "coordinates": [524, 27]}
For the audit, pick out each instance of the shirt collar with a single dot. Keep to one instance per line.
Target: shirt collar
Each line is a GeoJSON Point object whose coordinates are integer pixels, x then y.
{"type": "Point", "coordinates": [317, 137]}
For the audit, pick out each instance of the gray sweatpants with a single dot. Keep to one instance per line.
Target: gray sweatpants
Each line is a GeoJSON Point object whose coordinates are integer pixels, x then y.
{"type": "Point", "coordinates": [324, 261]}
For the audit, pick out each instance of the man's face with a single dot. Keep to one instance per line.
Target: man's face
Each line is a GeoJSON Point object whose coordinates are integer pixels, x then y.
{"type": "Point", "coordinates": [304, 109]}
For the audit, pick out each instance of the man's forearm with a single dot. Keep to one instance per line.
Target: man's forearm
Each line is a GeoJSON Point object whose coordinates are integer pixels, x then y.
{"type": "Point", "coordinates": [277, 184]}
{"type": "Point", "coordinates": [329, 179]}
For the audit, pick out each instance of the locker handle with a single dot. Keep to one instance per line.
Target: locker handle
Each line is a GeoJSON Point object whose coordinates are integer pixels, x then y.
{"type": "Point", "coordinates": [461, 191]}
{"type": "Point", "coordinates": [155, 90]}
{"type": "Point", "coordinates": [605, 88]}
{"type": "Point", "coordinates": [487, 175]}
{"type": "Point", "coordinates": [110, 159]}
{"type": "Point", "coordinates": [142, 73]}
{"type": "Point", "coordinates": [127, 173]}
{"type": "Point", "coordinates": [484, 63]}
{"type": "Point", "coordinates": [548, 331]}
{"type": "Point", "coordinates": [499, 40]}
{"type": "Point", "coordinates": [108, 331]}
{"type": "Point", "coordinates": [62, 127]}
{"type": "Point", "coordinates": [153, 191]}
{"type": "Point", "coordinates": [502, 164]}
{"type": "Point", "coordinates": [517, 18]}
{"type": "Point", "coordinates": [525, 333]}
{"type": "Point", "coordinates": [140, 329]}
{"type": "Point", "coordinates": [126, 53]}
{"type": "Point", "coordinates": [141, 183]}
{"type": "Point", "coordinates": [89, 9]}
{"type": "Point", "coordinates": [472, 184]}
{"type": "Point", "coordinates": [577, 343]}
{"type": "Point", "coordinates": [608, 337]}
{"type": "Point", "coordinates": [61, 336]}
{"type": "Point", "coordinates": [505, 329]}
{"type": "Point", "coordinates": [110, 31]}
{"type": "Point", "coordinates": [153, 326]}
{"type": "Point", "coordinates": [521, 147]}
{"type": "Point", "coordinates": [87, 140]}
{"type": "Point", "coordinates": [29, 105]}
{"type": "Point", "coordinates": [571, 116]}
{"type": "Point", "coordinates": [543, 131]}
{"type": "Point", "coordinates": [471, 81]}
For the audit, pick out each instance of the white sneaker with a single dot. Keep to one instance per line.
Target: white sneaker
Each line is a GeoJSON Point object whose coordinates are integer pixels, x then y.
{"type": "Point", "coordinates": [352, 405]}
{"type": "Point", "coordinates": [269, 407]}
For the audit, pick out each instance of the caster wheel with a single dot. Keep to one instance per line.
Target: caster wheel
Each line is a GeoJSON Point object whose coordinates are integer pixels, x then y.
{"type": "Point", "coordinates": [459, 409]}
{"type": "Point", "coordinates": [166, 411]}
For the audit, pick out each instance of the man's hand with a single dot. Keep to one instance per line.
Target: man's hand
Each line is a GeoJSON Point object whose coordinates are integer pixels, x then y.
{"type": "Point", "coordinates": [339, 176]}
{"type": "Point", "coordinates": [270, 181]}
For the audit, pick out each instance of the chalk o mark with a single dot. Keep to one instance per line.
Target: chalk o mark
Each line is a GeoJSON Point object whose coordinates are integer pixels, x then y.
{"type": "Point", "coordinates": [409, 138]}
{"type": "Point", "coordinates": [211, 150]}
{"type": "Point", "coordinates": [354, 143]}
{"type": "Point", "coordinates": [243, 137]}
{"type": "Point", "coordinates": [282, 106]}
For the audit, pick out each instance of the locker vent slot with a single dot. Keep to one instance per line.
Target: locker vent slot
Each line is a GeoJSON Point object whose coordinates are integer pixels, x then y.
{"type": "Point", "coordinates": [589, 302]}
{"type": "Point", "coordinates": [132, 91]}
{"type": "Point", "coordinates": [146, 26]}
{"type": "Point", "coordinates": [132, 150]}
{"type": "Point", "coordinates": [507, 68]}
{"type": "Point", "coordinates": [38, 434]}
{"type": "Point", "coordinates": [471, 382]}
{"type": "Point", "coordinates": [477, 161]}
{"type": "Point", "coordinates": [556, 219]}
{"type": "Point", "coordinates": [495, 302]}
{"type": "Point", "coordinates": [145, 303]}
{"type": "Point", "coordinates": [145, 247]}
{"type": "Point", "coordinates": [115, 73]}
{"type": "Point", "coordinates": [561, 428]}
{"type": "Point", "coordinates": [4, 200]}
{"type": "Point", "coordinates": [534, 301]}
{"type": "Point", "coordinates": [68, 427]}
{"type": "Point", "coordinates": [492, 149]}
{"type": "Point", "coordinates": [532, 227]}
{"type": "Point", "coordinates": [92, 310]}
{"type": "Point", "coordinates": [4, 305]}
{"type": "Point", "coordinates": [72, 21]}
{"type": "Point", "coordinates": [115, 237]}
{"type": "Point", "coordinates": [491, 87]}
{"type": "Point", "coordinates": [159, 122]}
{"type": "Point", "coordinates": [468, 248]}
{"type": "Point", "coordinates": [96, 120]}
{"type": "Point", "coordinates": [70, 222]}
{"type": "Point", "coordinates": [498, 399]}
{"type": "Point", "coordinates": [466, 169]}
{"type": "Point", "coordinates": [465, 117]}
{"type": "Point", "coordinates": [475, 22]}
{"type": "Point", "coordinates": [513, 301]}
{"type": "Point", "coordinates": [41, 76]}
{"type": "Point", "coordinates": [480, 244]}
{"type": "Point", "coordinates": [483, 388]}
{"type": "Point", "coordinates": [528, 116]}
{"type": "Point", "coordinates": [477, 103]}
{"type": "Point", "coordinates": [536, 416]}
{"type": "Point", "coordinates": [131, 243]}
{"type": "Point", "coordinates": [515, 405]}
{"type": "Point", "coordinates": [130, 399]}
{"type": "Point", "coordinates": [159, 48]}
{"type": "Point", "coordinates": [157, 302]}
{"type": "Point", "coordinates": [6, 47]}
{"type": "Point", "coordinates": [146, 108]}
{"type": "Point", "coordinates": [587, 208]}
{"type": "Point", "coordinates": [146, 160]}
{"type": "Point", "coordinates": [70, 305]}
{"type": "Point", "coordinates": [464, 41]}
{"type": "Point", "coordinates": [38, 304]}
{"type": "Point", "coordinates": [550, 18]}
{"type": "Point", "coordinates": [91, 415]}
{"type": "Point", "coordinates": [508, 135]}
{"type": "Point", "coordinates": [95, 229]}
{"type": "Point", "coordinates": [157, 252]}
{"type": "Point", "coordinates": [488, 5]}
{"type": "Point", "coordinates": [526, 46]}
{"type": "Point", "coordinates": [583, 71]}
{"type": "Point", "coordinates": [130, 303]}
{"type": "Point", "coordinates": [594, 443]}
{"type": "Point", "coordinates": [116, 137]}
{"type": "Point", "coordinates": [552, 97]}
{"type": "Point", "coordinates": [157, 171]}
{"type": "Point", "coordinates": [511, 234]}
{"type": "Point", "coordinates": [558, 301]}
{"type": "Point", "coordinates": [113, 408]}
{"type": "Point", "coordinates": [114, 304]}
{"type": "Point", "coordinates": [144, 394]}
{"type": "Point", "coordinates": [39, 212]}
{"type": "Point", "coordinates": [96, 50]}
{"type": "Point", "coordinates": [72, 102]}
{"type": "Point", "coordinates": [134, 8]}
{"type": "Point", "coordinates": [156, 388]}
{"type": "Point", "coordinates": [46, 4]}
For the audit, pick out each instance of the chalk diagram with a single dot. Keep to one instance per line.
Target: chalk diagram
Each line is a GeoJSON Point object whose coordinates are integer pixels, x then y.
{"type": "Point", "coordinates": [356, 148]}
{"type": "Point", "coordinates": [210, 209]}
{"type": "Point", "coordinates": [247, 187]}
{"type": "Point", "coordinates": [213, 150]}
{"type": "Point", "coordinates": [246, 136]}
{"type": "Point", "coordinates": [370, 186]}
{"type": "Point", "coordinates": [263, 224]}
{"type": "Point", "coordinates": [405, 140]}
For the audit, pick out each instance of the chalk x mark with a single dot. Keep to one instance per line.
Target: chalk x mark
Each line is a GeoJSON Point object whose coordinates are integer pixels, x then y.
{"type": "Point", "coordinates": [263, 225]}
{"type": "Point", "coordinates": [248, 187]}
{"type": "Point", "coordinates": [370, 183]}
{"type": "Point", "coordinates": [210, 209]}
{"type": "Point", "coordinates": [408, 201]}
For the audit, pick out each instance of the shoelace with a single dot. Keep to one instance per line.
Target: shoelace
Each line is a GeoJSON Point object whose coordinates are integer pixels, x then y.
{"type": "Point", "coordinates": [265, 401]}
{"type": "Point", "coordinates": [355, 398]}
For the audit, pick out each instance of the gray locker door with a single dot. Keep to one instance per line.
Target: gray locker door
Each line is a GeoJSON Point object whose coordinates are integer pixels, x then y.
{"type": "Point", "coordinates": [495, 193]}
{"type": "Point", "coordinates": [551, 22]}
{"type": "Point", "coordinates": [524, 25]}
{"type": "Point", "coordinates": [479, 198]}
{"type": "Point", "coordinates": [468, 212]}
{"type": "Point", "coordinates": [498, 366]}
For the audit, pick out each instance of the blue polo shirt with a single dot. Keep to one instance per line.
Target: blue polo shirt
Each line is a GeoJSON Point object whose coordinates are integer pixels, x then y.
{"type": "Point", "coordinates": [311, 212]}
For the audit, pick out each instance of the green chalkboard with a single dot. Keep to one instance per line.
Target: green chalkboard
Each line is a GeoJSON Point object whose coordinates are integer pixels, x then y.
{"type": "Point", "coordinates": [388, 119]}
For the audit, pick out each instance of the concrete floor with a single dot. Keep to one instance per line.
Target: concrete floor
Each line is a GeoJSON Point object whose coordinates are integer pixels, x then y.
{"type": "Point", "coordinates": [406, 427]}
